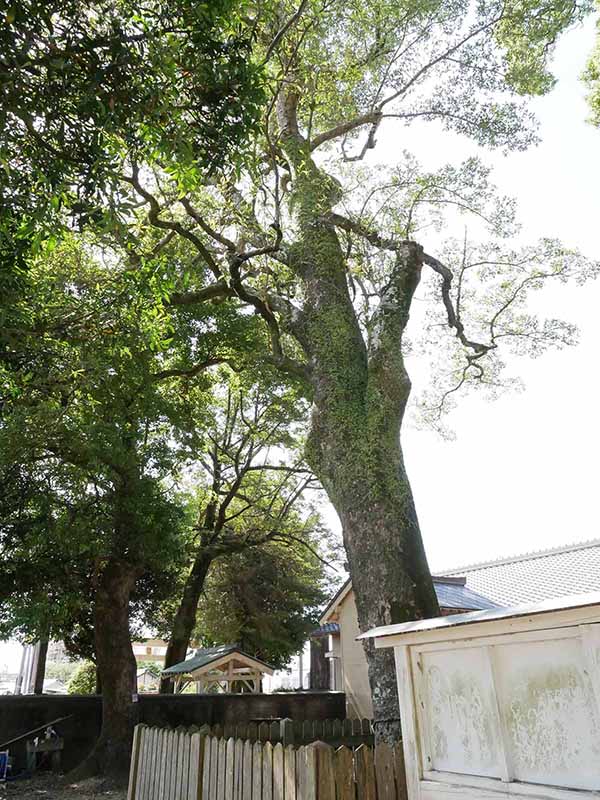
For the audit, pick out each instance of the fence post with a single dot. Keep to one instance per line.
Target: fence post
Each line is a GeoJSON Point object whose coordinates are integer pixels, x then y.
{"type": "Point", "coordinates": [135, 759]}
{"type": "Point", "coordinates": [287, 731]}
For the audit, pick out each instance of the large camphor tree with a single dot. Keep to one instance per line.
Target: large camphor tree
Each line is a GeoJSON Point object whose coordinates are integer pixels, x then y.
{"type": "Point", "coordinates": [329, 254]}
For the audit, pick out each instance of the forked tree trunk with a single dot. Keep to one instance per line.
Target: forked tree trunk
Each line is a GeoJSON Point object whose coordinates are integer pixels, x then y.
{"type": "Point", "coordinates": [116, 667]}
{"type": "Point", "coordinates": [360, 393]}
{"type": "Point", "coordinates": [185, 618]}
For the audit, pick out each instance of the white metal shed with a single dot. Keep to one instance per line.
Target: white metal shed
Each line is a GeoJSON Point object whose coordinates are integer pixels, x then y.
{"type": "Point", "coordinates": [501, 703]}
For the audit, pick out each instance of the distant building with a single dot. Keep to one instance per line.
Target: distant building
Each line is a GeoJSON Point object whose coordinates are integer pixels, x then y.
{"type": "Point", "coordinates": [150, 650]}
{"type": "Point", "coordinates": [340, 660]}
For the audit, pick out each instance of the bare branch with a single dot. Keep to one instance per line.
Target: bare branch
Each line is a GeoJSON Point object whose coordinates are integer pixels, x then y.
{"type": "Point", "coordinates": [454, 320]}
{"type": "Point", "coordinates": [191, 372]}
{"type": "Point", "coordinates": [370, 118]}
{"type": "Point", "coordinates": [284, 29]}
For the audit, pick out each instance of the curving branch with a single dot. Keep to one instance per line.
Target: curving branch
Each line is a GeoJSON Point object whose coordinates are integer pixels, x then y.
{"type": "Point", "coordinates": [454, 320]}
{"type": "Point", "coordinates": [216, 291]}
{"type": "Point", "coordinates": [170, 225]}
{"type": "Point", "coordinates": [344, 128]}
{"type": "Point", "coordinates": [191, 372]}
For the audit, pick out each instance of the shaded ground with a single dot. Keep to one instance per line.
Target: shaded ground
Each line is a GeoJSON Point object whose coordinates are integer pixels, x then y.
{"type": "Point", "coordinates": [51, 787]}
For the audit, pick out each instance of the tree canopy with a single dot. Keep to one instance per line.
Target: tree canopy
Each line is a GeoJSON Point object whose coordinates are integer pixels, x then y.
{"type": "Point", "coordinates": [216, 209]}
{"type": "Point", "coordinates": [267, 601]}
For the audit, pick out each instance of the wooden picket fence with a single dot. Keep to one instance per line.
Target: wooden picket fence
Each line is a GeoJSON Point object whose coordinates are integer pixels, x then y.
{"type": "Point", "coordinates": [192, 765]}
{"type": "Point", "coordinates": [336, 732]}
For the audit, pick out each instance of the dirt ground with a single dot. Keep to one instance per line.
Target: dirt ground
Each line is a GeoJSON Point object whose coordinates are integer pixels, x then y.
{"type": "Point", "coordinates": [51, 787]}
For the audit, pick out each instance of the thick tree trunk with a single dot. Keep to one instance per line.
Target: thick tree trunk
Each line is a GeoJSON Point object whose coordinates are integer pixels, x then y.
{"type": "Point", "coordinates": [360, 394]}
{"type": "Point", "coordinates": [319, 665]}
{"type": "Point", "coordinates": [185, 618]}
{"type": "Point", "coordinates": [116, 667]}
{"type": "Point", "coordinates": [40, 666]}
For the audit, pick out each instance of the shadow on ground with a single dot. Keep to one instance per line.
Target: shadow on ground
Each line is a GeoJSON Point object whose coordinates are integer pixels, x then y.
{"type": "Point", "coordinates": [51, 787]}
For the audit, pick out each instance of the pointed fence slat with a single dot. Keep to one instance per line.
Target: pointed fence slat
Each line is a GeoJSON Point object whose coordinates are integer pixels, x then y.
{"type": "Point", "coordinates": [214, 768]}
{"type": "Point", "coordinates": [142, 768]}
{"type": "Point", "coordinates": [306, 769]}
{"type": "Point", "coordinates": [162, 765]}
{"type": "Point", "coordinates": [238, 770]}
{"type": "Point", "coordinates": [173, 765]}
{"type": "Point", "coordinates": [344, 773]}
{"type": "Point", "coordinates": [222, 769]}
{"type": "Point", "coordinates": [257, 771]}
{"type": "Point", "coordinates": [229, 768]}
{"type": "Point", "coordinates": [185, 765]}
{"type": "Point", "coordinates": [267, 772]}
{"type": "Point", "coordinates": [198, 757]}
{"type": "Point", "coordinates": [155, 743]}
{"type": "Point", "coordinates": [247, 770]}
{"type": "Point", "coordinates": [264, 730]}
{"type": "Point", "coordinates": [206, 769]}
{"type": "Point", "coordinates": [325, 771]}
{"type": "Point", "coordinates": [365, 773]}
{"type": "Point", "coordinates": [289, 769]}
{"type": "Point", "coordinates": [278, 774]}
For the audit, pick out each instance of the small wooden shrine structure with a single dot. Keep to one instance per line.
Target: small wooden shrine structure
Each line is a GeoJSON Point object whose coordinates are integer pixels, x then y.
{"type": "Point", "coordinates": [225, 668]}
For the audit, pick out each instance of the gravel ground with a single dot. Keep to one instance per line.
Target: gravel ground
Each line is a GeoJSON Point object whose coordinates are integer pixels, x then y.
{"type": "Point", "coordinates": [51, 787]}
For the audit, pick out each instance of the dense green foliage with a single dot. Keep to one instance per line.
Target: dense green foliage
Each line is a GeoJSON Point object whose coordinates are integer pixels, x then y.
{"type": "Point", "coordinates": [83, 680]}
{"type": "Point", "coordinates": [86, 85]}
{"type": "Point", "coordinates": [267, 601]}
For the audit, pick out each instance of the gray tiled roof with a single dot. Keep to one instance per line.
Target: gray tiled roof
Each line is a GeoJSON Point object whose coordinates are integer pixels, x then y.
{"type": "Point", "coordinates": [204, 656]}
{"type": "Point", "coordinates": [562, 571]}
{"type": "Point", "coordinates": [451, 594]}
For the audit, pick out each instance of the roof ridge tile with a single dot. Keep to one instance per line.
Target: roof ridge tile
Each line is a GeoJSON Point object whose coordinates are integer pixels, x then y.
{"type": "Point", "coordinates": [527, 556]}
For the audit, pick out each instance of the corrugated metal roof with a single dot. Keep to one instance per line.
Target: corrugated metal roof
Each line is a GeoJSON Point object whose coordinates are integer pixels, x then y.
{"type": "Point", "coordinates": [205, 655]}
{"type": "Point", "coordinates": [452, 595]}
{"type": "Point", "coordinates": [590, 601]}
{"type": "Point", "coordinates": [532, 577]}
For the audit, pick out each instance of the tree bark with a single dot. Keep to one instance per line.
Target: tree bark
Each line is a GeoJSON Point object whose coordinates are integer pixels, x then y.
{"type": "Point", "coordinates": [40, 666]}
{"type": "Point", "coordinates": [360, 390]}
{"type": "Point", "coordinates": [319, 665]}
{"type": "Point", "coordinates": [185, 618]}
{"type": "Point", "coordinates": [116, 667]}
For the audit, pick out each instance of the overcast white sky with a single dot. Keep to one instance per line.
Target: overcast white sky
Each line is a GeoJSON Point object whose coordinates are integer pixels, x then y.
{"type": "Point", "coordinates": [522, 473]}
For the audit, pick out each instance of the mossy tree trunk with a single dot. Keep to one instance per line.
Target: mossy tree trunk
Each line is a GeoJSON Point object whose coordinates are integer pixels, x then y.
{"type": "Point", "coordinates": [360, 391]}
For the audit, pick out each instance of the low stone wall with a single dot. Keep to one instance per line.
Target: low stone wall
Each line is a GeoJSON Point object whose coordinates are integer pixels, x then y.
{"type": "Point", "coordinates": [19, 714]}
